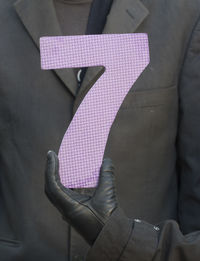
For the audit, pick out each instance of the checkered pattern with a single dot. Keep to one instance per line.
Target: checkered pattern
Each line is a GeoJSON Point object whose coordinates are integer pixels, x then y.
{"type": "Point", "coordinates": [125, 56]}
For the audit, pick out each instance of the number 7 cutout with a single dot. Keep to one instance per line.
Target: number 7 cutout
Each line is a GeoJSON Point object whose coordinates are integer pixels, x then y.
{"type": "Point", "coordinates": [124, 57]}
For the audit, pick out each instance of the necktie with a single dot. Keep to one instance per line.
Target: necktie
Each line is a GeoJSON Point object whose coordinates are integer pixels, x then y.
{"type": "Point", "coordinates": [96, 22]}
{"type": "Point", "coordinates": [125, 56]}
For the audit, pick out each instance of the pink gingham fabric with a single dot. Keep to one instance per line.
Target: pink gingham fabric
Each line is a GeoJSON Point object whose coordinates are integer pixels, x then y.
{"type": "Point", "coordinates": [124, 56]}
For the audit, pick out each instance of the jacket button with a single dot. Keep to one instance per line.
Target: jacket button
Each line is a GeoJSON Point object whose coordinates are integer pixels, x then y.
{"type": "Point", "coordinates": [156, 228]}
{"type": "Point", "coordinates": [137, 220]}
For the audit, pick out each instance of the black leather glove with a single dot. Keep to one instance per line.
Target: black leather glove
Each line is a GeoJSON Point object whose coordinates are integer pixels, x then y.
{"type": "Point", "coordinates": [86, 214]}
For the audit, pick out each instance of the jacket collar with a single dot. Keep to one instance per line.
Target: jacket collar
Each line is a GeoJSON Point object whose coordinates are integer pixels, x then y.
{"type": "Point", "coordinates": [39, 18]}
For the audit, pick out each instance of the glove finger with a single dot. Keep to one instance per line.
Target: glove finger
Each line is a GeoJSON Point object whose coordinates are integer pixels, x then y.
{"type": "Point", "coordinates": [105, 193]}
{"type": "Point", "coordinates": [62, 197]}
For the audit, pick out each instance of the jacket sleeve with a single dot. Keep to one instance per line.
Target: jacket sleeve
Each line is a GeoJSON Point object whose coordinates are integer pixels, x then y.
{"type": "Point", "coordinates": [188, 138]}
{"type": "Point", "coordinates": [124, 239]}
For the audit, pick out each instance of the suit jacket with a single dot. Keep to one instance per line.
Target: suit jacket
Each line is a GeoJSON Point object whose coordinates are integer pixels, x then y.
{"type": "Point", "coordinates": [154, 141]}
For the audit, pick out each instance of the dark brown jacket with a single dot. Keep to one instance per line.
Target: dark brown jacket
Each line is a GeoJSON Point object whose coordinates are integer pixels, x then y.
{"type": "Point", "coordinates": [154, 141]}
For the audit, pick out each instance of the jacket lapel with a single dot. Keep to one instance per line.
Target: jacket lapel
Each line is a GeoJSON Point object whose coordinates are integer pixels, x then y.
{"type": "Point", "coordinates": [39, 18]}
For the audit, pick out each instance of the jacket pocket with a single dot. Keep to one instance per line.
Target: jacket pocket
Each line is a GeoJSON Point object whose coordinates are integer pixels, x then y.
{"type": "Point", "coordinates": [9, 242]}
{"type": "Point", "coordinates": [150, 98]}
{"type": "Point", "coordinates": [11, 250]}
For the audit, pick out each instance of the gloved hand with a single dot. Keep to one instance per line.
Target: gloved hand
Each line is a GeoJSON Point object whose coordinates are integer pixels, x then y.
{"type": "Point", "coordinates": [86, 214]}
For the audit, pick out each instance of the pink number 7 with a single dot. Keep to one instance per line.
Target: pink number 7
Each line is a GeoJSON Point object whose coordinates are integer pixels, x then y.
{"type": "Point", "coordinates": [124, 56]}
